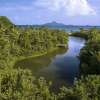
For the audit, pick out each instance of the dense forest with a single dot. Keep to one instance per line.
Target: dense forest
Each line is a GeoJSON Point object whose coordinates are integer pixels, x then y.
{"type": "Point", "coordinates": [24, 42]}
{"type": "Point", "coordinates": [90, 54]}
{"type": "Point", "coordinates": [20, 84]}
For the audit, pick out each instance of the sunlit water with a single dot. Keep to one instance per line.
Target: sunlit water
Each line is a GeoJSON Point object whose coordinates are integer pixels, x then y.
{"type": "Point", "coordinates": [61, 67]}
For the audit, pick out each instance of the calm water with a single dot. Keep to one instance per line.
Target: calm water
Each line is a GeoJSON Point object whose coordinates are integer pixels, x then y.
{"type": "Point", "coordinates": [61, 66]}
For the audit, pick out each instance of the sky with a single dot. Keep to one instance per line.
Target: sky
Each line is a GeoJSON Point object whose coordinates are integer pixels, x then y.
{"type": "Point", "coordinates": [69, 12]}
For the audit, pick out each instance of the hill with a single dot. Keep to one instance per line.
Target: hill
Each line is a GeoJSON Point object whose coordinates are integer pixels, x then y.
{"type": "Point", "coordinates": [4, 21]}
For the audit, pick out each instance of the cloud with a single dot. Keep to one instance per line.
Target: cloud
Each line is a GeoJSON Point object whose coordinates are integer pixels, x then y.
{"type": "Point", "coordinates": [64, 7]}
{"type": "Point", "coordinates": [70, 7]}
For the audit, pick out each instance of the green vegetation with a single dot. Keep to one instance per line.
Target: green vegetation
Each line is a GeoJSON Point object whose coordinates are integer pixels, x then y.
{"type": "Point", "coordinates": [90, 54]}
{"type": "Point", "coordinates": [40, 40]}
{"type": "Point", "coordinates": [4, 21]}
{"type": "Point", "coordinates": [19, 84]}
{"type": "Point", "coordinates": [25, 42]}
{"type": "Point", "coordinates": [82, 33]}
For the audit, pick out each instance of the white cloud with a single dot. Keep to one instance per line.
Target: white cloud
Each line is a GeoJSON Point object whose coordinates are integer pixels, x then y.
{"type": "Point", "coordinates": [66, 7]}
{"type": "Point", "coordinates": [70, 7]}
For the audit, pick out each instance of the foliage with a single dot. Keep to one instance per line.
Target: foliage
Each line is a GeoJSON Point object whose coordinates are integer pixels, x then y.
{"type": "Point", "coordinates": [87, 88]}
{"type": "Point", "coordinates": [82, 33]}
{"type": "Point", "coordinates": [40, 39]}
{"type": "Point", "coordinates": [21, 42]}
{"type": "Point", "coordinates": [4, 21]}
{"type": "Point", "coordinates": [90, 54]}
{"type": "Point", "coordinates": [18, 84]}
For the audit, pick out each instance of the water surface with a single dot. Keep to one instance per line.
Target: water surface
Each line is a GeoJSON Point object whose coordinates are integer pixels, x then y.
{"type": "Point", "coordinates": [61, 66]}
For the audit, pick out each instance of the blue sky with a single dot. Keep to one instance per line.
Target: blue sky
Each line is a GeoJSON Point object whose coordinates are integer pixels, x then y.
{"type": "Point", "coordinates": [73, 12]}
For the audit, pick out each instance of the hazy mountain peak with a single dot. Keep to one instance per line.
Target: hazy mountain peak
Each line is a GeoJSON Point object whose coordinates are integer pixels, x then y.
{"type": "Point", "coordinates": [54, 23]}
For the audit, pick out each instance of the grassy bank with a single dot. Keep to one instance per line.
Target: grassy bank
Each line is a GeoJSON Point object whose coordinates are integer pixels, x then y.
{"type": "Point", "coordinates": [39, 54]}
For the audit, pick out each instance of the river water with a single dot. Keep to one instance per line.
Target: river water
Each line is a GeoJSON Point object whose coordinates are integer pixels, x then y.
{"type": "Point", "coordinates": [60, 67]}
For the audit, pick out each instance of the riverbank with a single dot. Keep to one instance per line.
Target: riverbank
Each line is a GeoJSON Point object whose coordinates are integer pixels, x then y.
{"type": "Point", "coordinates": [83, 34]}
{"type": "Point", "coordinates": [38, 54]}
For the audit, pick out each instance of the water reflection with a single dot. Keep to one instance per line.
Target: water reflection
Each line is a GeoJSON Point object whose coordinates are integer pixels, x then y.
{"type": "Point", "coordinates": [61, 66]}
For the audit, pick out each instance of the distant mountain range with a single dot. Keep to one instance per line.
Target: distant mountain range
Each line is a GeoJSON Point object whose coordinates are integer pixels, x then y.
{"type": "Point", "coordinates": [68, 28]}
{"type": "Point", "coordinates": [56, 24]}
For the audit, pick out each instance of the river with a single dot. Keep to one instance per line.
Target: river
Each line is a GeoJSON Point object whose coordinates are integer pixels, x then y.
{"type": "Point", "coordinates": [61, 67]}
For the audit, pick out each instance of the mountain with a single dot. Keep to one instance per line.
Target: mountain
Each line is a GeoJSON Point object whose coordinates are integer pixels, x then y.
{"type": "Point", "coordinates": [54, 25]}
{"type": "Point", "coordinates": [68, 28]}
